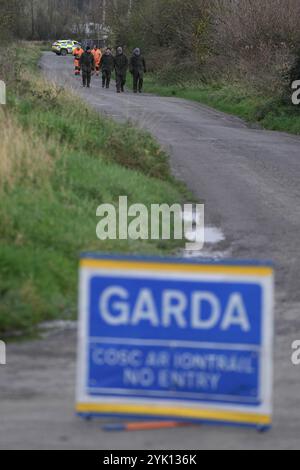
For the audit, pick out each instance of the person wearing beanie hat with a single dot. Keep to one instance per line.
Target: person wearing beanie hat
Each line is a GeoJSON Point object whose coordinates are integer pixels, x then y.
{"type": "Point", "coordinates": [137, 68]}
{"type": "Point", "coordinates": [121, 66]}
{"type": "Point", "coordinates": [107, 65]}
{"type": "Point", "coordinates": [87, 65]}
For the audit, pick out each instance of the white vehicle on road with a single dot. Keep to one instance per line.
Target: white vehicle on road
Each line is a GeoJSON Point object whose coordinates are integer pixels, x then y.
{"type": "Point", "coordinates": [65, 47]}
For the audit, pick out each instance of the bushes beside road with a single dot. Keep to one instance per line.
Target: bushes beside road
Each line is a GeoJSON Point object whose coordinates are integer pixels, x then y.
{"type": "Point", "coordinates": [237, 56]}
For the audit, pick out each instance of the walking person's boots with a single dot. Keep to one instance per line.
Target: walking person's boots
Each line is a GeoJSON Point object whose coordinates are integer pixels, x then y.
{"type": "Point", "coordinates": [89, 80]}
{"type": "Point", "coordinates": [141, 83]}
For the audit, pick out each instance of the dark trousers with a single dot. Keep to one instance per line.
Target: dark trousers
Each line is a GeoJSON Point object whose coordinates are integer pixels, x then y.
{"type": "Point", "coordinates": [86, 78]}
{"type": "Point", "coordinates": [106, 76]}
{"type": "Point", "coordinates": [120, 81]}
{"type": "Point", "coordinates": [138, 81]}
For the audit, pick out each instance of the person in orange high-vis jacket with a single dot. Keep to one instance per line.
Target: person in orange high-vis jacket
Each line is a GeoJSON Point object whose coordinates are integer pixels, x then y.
{"type": "Point", "coordinates": [77, 53]}
{"type": "Point", "coordinates": [97, 58]}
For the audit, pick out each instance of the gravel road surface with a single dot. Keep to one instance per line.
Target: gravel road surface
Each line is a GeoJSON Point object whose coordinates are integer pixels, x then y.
{"type": "Point", "coordinates": [249, 181]}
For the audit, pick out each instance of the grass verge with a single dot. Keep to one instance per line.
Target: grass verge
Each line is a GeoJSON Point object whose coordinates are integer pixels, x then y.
{"type": "Point", "coordinates": [59, 161]}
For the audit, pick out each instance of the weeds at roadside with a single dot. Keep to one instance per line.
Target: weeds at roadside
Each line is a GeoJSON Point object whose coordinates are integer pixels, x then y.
{"type": "Point", "coordinates": [59, 161]}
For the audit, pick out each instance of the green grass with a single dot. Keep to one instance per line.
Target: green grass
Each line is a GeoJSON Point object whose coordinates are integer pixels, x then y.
{"type": "Point", "coordinates": [269, 112]}
{"type": "Point", "coordinates": [46, 223]}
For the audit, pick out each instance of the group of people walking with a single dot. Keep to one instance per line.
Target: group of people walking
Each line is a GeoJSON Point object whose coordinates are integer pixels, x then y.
{"type": "Point", "coordinates": [92, 61]}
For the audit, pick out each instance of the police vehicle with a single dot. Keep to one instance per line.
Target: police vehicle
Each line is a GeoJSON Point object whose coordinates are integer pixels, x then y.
{"type": "Point", "coordinates": [65, 47]}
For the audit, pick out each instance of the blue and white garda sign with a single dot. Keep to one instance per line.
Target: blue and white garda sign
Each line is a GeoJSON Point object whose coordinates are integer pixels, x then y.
{"type": "Point", "coordinates": [175, 339]}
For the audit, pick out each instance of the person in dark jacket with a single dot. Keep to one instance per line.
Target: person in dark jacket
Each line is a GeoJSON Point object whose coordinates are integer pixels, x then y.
{"type": "Point", "coordinates": [137, 68]}
{"type": "Point", "coordinates": [107, 65]}
{"type": "Point", "coordinates": [87, 65]}
{"type": "Point", "coordinates": [121, 66]}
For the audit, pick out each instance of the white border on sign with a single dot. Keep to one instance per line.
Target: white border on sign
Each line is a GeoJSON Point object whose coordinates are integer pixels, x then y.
{"type": "Point", "coordinates": [266, 372]}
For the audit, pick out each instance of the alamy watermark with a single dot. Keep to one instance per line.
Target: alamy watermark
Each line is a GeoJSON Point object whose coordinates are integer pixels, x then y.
{"type": "Point", "coordinates": [2, 92]}
{"type": "Point", "coordinates": [2, 353]}
{"type": "Point", "coordinates": [295, 357]}
{"type": "Point", "coordinates": [160, 222]}
{"type": "Point", "coordinates": [296, 94]}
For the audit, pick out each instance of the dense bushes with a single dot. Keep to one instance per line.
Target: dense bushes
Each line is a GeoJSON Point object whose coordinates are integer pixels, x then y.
{"type": "Point", "coordinates": [254, 42]}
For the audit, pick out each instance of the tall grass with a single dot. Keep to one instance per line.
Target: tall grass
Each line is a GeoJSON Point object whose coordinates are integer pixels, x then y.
{"type": "Point", "coordinates": [57, 112]}
{"type": "Point", "coordinates": [24, 160]}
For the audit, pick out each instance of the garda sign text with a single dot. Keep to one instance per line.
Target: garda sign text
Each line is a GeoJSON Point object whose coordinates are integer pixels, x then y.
{"type": "Point", "coordinates": [175, 339]}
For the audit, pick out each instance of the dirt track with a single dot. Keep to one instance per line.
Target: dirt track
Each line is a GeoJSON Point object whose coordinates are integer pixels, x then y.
{"type": "Point", "coordinates": [249, 179]}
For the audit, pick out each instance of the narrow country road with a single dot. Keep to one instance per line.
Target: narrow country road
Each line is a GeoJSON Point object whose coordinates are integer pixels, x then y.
{"type": "Point", "coordinates": [249, 181]}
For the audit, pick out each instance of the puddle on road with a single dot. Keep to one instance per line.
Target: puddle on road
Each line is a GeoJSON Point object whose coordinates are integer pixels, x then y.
{"type": "Point", "coordinates": [195, 221]}
{"type": "Point", "coordinates": [215, 255]}
{"type": "Point", "coordinates": [48, 328]}
{"type": "Point", "coordinates": [213, 236]}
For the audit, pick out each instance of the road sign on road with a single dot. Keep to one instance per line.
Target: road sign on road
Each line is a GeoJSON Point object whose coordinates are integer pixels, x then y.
{"type": "Point", "coordinates": [169, 338]}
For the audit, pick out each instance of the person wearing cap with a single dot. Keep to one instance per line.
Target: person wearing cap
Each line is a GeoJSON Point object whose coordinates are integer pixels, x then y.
{"type": "Point", "coordinates": [121, 67]}
{"type": "Point", "coordinates": [137, 68]}
{"type": "Point", "coordinates": [87, 65]}
{"type": "Point", "coordinates": [107, 65]}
